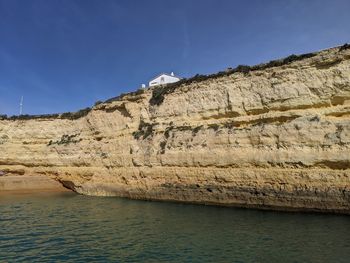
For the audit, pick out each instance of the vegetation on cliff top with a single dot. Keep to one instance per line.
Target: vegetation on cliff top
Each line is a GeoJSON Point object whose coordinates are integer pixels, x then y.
{"type": "Point", "coordinates": [66, 115]}
{"type": "Point", "coordinates": [159, 92]}
{"type": "Point", "coordinates": [344, 47]}
{"type": "Point", "coordinates": [70, 115]}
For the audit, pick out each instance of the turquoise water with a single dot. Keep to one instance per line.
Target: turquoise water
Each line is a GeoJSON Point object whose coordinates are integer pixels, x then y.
{"type": "Point", "coordinates": [73, 228]}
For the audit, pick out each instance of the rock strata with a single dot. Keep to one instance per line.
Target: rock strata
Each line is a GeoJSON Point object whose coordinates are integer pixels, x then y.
{"type": "Point", "coordinates": [273, 136]}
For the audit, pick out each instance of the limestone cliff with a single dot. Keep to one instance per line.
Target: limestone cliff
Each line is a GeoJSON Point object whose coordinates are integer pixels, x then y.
{"type": "Point", "coordinates": [276, 135]}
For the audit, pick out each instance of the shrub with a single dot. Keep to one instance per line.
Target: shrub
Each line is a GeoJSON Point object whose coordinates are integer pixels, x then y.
{"type": "Point", "coordinates": [75, 115]}
{"type": "Point", "coordinates": [162, 147]}
{"type": "Point", "coordinates": [344, 47]}
{"type": "Point", "coordinates": [98, 103]}
{"type": "Point", "coordinates": [214, 126]}
{"type": "Point", "coordinates": [197, 129]}
{"type": "Point", "coordinates": [157, 95]}
{"type": "Point", "coordinates": [145, 130]}
{"type": "Point", "coordinates": [242, 68]}
{"type": "Point", "coordinates": [167, 131]}
{"type": "Point", "coordinates": [65, 140]}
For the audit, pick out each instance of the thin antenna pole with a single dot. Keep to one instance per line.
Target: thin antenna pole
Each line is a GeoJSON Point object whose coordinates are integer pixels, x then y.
{"type": "Point", "coordinates": [21, 106]}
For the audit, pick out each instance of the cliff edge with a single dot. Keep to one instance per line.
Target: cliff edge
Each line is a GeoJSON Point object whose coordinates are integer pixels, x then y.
{"type": "Point", "coordinates": [274, 136]}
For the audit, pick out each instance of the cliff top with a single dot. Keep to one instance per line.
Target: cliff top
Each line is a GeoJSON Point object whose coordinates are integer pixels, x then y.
{"type": "Point", "coordinates": [158, 92]}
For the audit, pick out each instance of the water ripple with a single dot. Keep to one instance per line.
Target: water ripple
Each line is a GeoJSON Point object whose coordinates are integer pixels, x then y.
{"type": "Point", "coordinates": [73, 228]}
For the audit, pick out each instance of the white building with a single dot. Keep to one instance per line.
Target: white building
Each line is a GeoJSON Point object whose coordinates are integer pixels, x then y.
{"type": "Point", "coordinates": [164, 78]}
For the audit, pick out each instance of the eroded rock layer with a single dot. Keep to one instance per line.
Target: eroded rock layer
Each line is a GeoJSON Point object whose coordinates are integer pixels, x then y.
{"type": "Point", "coordinates": [273, 137]}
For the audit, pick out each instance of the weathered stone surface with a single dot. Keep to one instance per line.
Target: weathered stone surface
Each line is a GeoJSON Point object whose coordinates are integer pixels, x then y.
{"type": "Point", "coordinates": [277, 138]}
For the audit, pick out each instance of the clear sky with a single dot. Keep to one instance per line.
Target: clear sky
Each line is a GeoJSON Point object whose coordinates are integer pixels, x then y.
{"type": "Point", "coordinates": [63, 55]}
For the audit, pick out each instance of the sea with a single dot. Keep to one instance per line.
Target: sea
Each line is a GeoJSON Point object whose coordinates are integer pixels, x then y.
{"type": "Point", "coordinates": [67, 227]}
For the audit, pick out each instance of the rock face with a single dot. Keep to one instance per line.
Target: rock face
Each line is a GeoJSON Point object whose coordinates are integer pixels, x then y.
{"type": "Point", "coordinates": [275, 136]}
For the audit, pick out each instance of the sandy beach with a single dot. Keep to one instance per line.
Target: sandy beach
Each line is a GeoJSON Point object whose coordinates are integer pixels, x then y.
{"type": "Point", "coordinates": [29, 184]}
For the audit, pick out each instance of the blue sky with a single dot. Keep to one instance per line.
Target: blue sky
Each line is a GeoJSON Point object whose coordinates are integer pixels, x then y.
{"type": "Point", "coordinates": [63, 55]}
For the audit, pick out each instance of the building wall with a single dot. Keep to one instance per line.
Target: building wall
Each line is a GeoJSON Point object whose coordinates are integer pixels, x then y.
{"type": "Point", "coordinates": [163, 79]}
